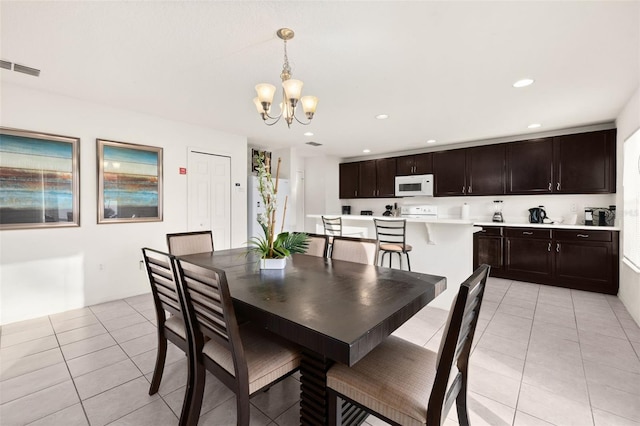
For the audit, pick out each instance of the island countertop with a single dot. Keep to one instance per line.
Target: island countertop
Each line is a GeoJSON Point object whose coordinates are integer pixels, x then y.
{"type": "Point", "coordinates": [411, 219]}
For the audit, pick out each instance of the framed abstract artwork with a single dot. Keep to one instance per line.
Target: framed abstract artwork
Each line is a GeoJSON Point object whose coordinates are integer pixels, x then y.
{"type": "Point", "coordinates": [129, 182]}
{"type": "Point", "coordinates": [39, 180]}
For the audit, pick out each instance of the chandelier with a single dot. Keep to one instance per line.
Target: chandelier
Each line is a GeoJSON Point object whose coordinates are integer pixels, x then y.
{"type": "Point", "coordinates": [291, 91]}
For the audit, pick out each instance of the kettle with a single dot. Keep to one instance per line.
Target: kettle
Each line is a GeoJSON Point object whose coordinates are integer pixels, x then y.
{"type": "Point", "coordinates": [537, 214]}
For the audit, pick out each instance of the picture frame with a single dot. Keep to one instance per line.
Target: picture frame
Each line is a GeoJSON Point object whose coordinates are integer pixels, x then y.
{"type": "Point", "coordinates": [129, 182]}
{"type": "Point", "coordinates": [39, 180]}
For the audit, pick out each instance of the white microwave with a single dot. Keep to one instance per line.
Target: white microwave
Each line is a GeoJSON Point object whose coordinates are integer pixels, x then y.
{"type": "Point", "coordinates": [414, 186]}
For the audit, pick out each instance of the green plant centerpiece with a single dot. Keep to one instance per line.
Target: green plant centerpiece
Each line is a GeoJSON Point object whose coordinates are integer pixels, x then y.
{"type": "Point", "coordinates": [272, 246]}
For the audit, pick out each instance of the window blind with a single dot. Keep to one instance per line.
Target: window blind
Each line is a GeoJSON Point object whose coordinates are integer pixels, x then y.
{"type": "Point", "coordinates": [631, 199]}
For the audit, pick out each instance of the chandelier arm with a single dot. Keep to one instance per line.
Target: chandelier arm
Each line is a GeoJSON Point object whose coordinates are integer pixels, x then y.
{"type": "Point", "coordinates": [277, 117]}
{"type": "Point", "coordinates": [304, 124]}
{"type": "Point", "coordinates": [273, 122]}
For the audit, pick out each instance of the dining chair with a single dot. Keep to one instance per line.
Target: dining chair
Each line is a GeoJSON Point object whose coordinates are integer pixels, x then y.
{"type": "Point", "coordinates": [246, 359]}
{"type": "Point", "coordinates": [392, 236]}
{"type": "Point", "coordinates": [165, 299]}
{"type": "Point", "coordinates": [406, 384]}
{"type": "Point", "coordinates": [360, 250]}
{"type": "Point", "coordinates": [183, 243]}
{"type": "Point", "coordinates": [318, 245]}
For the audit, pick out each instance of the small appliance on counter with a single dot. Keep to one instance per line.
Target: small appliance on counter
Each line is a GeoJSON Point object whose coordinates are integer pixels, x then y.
{"type": "Point", "coordinates": [600, 216]}
{"type": "Point", "coordinates": [537, 214]}
{"type": "Point", "coordinates": [497, 211]}
{"type": "Point", "coordinates": [388, 211]}
{"type": "Point", "coordinates": [346, 209]}
{"type": "Point", "coordinates": [366, 212]}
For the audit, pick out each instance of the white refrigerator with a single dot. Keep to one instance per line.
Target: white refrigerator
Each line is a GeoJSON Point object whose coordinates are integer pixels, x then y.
{"type": "Point", "coordinates": [255, 207]}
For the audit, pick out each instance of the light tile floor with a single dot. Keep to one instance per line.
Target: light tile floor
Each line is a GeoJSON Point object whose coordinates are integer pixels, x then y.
{"type": "Point", "coordinates": [542, 356]}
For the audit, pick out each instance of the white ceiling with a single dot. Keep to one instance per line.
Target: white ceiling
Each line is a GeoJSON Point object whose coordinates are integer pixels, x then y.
{"type": "Point", "coordinates": [441, 70]}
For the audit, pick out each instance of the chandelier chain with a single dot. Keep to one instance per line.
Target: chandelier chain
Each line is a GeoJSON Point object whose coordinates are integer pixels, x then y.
{"type": "Point", "coordinates": [286, 68]}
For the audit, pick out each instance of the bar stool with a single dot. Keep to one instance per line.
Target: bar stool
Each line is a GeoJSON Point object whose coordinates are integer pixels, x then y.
{"type": "Point", "coordinates": [392, 237]}
{"type": "Point", "coordinates": [332, 228]}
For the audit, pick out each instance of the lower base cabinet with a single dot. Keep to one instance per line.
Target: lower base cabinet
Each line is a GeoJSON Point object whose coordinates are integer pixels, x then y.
{"type": "Point", "coordinates": [578, 259]}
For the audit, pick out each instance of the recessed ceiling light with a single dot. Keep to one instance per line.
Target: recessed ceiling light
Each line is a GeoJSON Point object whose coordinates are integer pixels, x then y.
{"type": "Point", "coordinates": [523, 83]}
{"type": "Point", "coordinates": [431, 141]}
{"type": "Point", "coordinates": [382, 116]}
{"type": "Point", "coordinates": [366, 151]}
{"type": "Point", "coordinates": [534, 125]}
{"type": "Point", "coordinates": [308, 134]}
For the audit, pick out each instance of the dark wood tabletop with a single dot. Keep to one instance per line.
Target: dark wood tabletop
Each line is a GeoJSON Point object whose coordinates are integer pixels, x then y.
{"type": "Point", "coordinates": [336, 311]}
{"type": "Point", "coordinates": [340, 310]}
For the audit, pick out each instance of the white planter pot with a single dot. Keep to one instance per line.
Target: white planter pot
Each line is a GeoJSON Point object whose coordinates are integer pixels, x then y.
{"type": "Point", "coordinates": [273, 263]}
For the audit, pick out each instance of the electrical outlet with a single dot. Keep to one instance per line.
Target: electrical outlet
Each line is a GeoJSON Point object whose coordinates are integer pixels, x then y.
{"type": "Point", "coordinates": [574, 207]}
{"type": "Point", "coordinates": [101, 266]}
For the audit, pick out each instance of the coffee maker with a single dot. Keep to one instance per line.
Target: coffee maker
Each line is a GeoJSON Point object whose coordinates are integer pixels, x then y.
{"type": "Point", "coordinates": [346, 209]}
{"type": "Point", "coordinates": [537, 214]}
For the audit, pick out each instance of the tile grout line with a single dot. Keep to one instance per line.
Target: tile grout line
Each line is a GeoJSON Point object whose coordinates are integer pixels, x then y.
{"type": "Point", "coordinates": [584, 370]}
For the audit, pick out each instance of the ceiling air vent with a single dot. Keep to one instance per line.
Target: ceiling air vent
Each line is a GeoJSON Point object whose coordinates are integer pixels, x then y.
{"type": "Point", "coordinates": [5, 64]}
{"type": "Point", "coordinates": [26, 70]}
{"type": "Point", "coordinates": [314, 143]}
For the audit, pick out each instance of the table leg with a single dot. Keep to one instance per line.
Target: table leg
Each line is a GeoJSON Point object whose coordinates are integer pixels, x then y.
{"type": "Point", "coordinates": [314, 405]}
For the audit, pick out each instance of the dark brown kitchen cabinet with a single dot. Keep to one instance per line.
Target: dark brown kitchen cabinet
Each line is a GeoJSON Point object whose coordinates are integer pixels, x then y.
{"type": "Point", "coordinates": [530, 167]}
{"type": "Point", "coordinates": [583, 259]}
{"type": "Point", "coordinates": [449, 173]}
{"type": "Point", "coordinates": [368, 179]}
{"type": "Point", "coordinates": [367, 186]}
{"type": "Point", "coordinates": [349, 180]}
{"type": "Point", "coordinates": [419, 164]}
{"type": "Point", "coordinates": [585, 163]}
{"type": "Point", "coordinates": [488, 246]}
{"type": "Point", "coordinates": [470, 171]}
{"type": "Point", "coordinates": [528, 255]}
{"type": "Point", "coordinates": [582, 163]}
{"type": "Point", "coordinates": [485, 170]}
{"type": "Point", "coordinates": [586, 260]}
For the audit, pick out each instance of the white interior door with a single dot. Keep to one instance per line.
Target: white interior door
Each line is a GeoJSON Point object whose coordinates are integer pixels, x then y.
{"type": "Point", "coordinates": [209, 194]}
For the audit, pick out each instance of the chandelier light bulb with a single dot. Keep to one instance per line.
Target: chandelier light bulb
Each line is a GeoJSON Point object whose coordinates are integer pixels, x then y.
{"type": "Point", "coordinates": [265, 92]}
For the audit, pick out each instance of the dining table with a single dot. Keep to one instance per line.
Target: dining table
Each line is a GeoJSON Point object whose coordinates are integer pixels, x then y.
{"type": "Point", "coordinates": [336, 311]}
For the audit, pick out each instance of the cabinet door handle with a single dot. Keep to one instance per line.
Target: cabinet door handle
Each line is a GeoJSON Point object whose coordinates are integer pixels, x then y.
{"type": "Point", "coordinates": [549, 247]}
{"type": "Point", "coordinates": [549, 186]}
{"type": "Point", "coordinates": [484, 230]}
{"type": "Point", "coordinates": [558, 186]}
{"type": "Point", "coordinates": [356, 192]}
{"type": "Point", "coordinates": [583, 235]}
{"type": "Point", "coordinates": [469, 192]}
{"type": "Point", "coordinates": [557, 247]}
{"type": "Point", "coordinates": [464, 189]}
{"type": "Point", "coordinates": [527, 233]}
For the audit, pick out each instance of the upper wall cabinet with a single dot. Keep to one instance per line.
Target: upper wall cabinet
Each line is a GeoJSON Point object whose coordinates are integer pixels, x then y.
{"type": "Point", "coordinates": [471, 171]}
{"type": "Point", "coordinates": [349, 180]}
{"type": "Point", "coordinates": [419, 164]}
{"type": "Point", "coordinates": [530, 167]}
{"type": "Point", "coordinates": [583, 163]}
{"type": "Point", "coordinates": [377, 178]}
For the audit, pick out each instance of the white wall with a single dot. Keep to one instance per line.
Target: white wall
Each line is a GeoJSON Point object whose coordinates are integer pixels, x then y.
{"type": "Point", "coordinates": [628, 122]}
{"type": "Point", "coordinates": [43, 271]}
{"type": "Point", "coordinates": [321, 185]}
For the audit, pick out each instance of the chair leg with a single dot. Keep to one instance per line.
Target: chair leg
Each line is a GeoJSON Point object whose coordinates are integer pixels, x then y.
{"type": "Point", "coordinates": [400, 260]}
{"type": "Point", "coordinates": [158, 370]}
{"type": "Point", "coordinates": [390, 258]}
{"type": "Point", "coordinates": [408, 261]}
{"type": "Point", "coordinates": [242, 403]}
{"type": "Point", "coordinates": [334, 409]}
{"type": "Point", "coordinates": [193, 396]}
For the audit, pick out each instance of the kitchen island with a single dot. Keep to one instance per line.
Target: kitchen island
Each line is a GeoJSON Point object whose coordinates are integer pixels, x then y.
{"type": "Point", "coordinates": [440, 246]}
